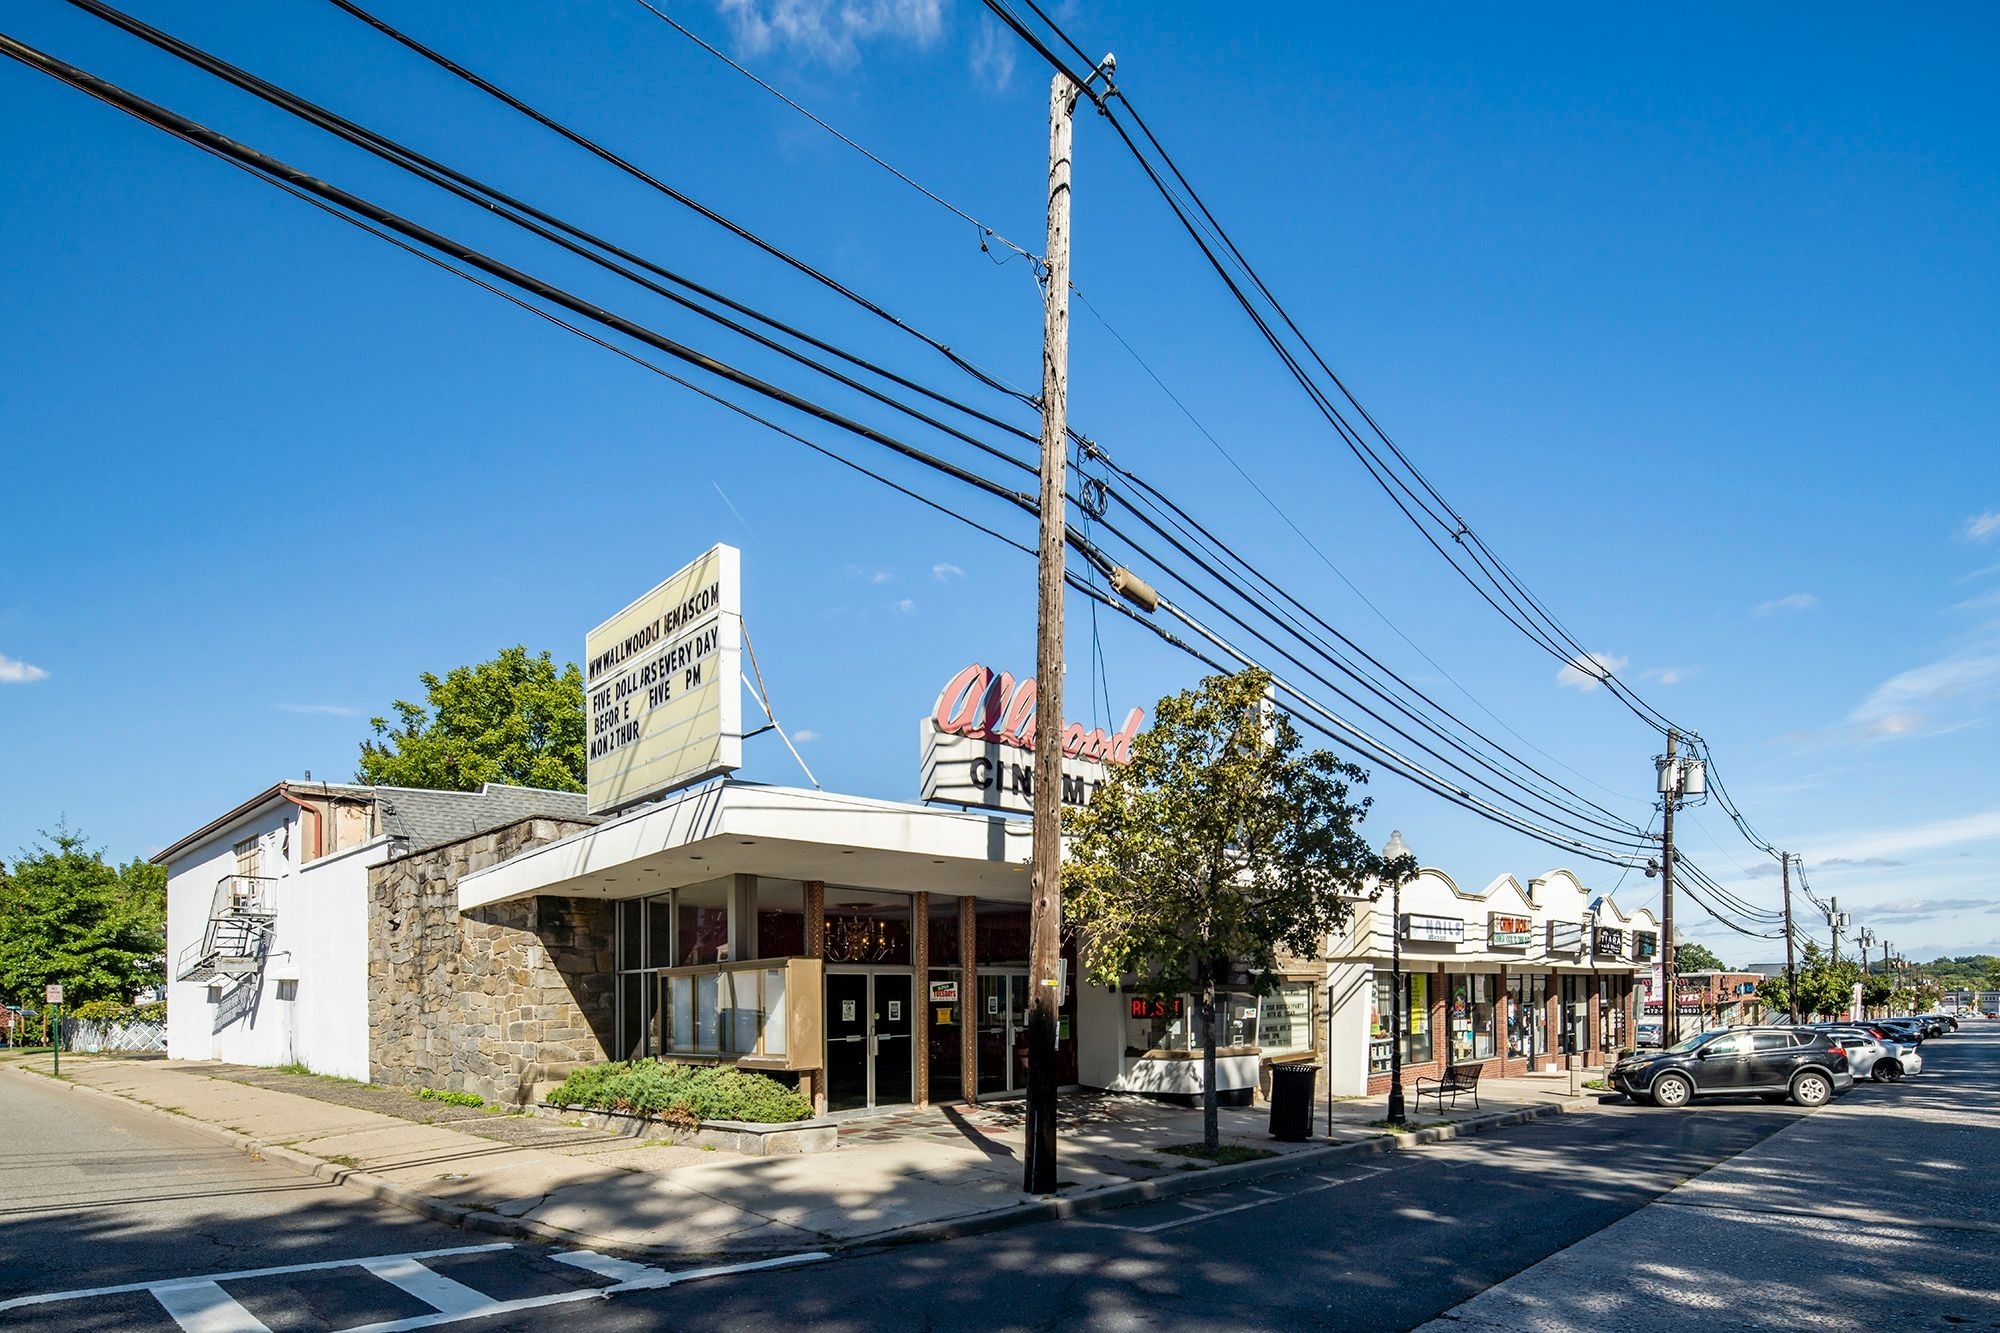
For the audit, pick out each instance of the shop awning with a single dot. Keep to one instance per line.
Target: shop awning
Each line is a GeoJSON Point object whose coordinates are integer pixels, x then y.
{"type": "Point", "coordinates": [741, 828]}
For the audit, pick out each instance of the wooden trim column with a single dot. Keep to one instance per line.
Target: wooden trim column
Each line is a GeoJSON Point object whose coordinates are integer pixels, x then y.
{"type": "Point", "coordinates": [968, 991]}
{"type": "Point", "coordinates": [920, 989]}
{"type": "Point", "coordinates": [813, 1085]}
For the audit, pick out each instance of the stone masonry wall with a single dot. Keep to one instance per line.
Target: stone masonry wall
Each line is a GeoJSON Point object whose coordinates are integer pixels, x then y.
{"type": "Point", "coordinates": [490, 1001]}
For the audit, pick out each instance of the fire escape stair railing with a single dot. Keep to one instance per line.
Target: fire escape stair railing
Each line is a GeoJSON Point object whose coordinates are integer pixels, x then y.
{"type": "Point", "coordinates": [237, 935]}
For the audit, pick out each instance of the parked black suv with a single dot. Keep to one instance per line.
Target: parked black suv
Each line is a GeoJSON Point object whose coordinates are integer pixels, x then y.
{"type": "Point", "coordinates": [1806, 1066]}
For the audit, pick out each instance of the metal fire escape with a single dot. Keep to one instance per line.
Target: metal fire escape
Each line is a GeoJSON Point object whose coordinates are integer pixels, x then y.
{"type": "Point", "coordinates": [233, 944]}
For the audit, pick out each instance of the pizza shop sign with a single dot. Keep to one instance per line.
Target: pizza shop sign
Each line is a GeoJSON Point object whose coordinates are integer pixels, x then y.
{"type": "Point", "coordinates": [979, 745]}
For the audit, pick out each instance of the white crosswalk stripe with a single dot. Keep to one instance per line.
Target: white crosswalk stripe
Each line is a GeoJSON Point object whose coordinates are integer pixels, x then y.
{"type": "Point", "coordinates": [433, 1289]}
{"type": "Point", "coordinates": [202, 1305]}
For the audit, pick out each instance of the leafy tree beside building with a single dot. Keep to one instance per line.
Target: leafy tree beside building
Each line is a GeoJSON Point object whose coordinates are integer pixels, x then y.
{"type": "Point", "coordinates": [1220, 844]}
{"type": "Point", "coordinates": [69, 917]}
{"type": "Point", "coordinates": [517, 719]}
{"type": "Point", "coordinates": [1696, 958]}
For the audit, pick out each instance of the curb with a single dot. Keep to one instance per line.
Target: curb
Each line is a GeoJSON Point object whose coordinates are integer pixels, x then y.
{"type": "Point", "coordinates": [974, 1224]}
{"type": "Point", "coordinates": [1166, 1187]}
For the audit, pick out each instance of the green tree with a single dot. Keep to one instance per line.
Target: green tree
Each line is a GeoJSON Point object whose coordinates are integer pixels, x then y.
{"type": "Point", "coordinates": [1696, 958]}
{"type": "Point", "coordinates": [1219, 843]}
{"type": "Point", "coordinates": [1775, 994]}
{"type": "Point", "coordinates": [68, 917]}
{"type": "Point", "coordinates": [516, 719]}
{"type": "Point", "coordinates": [1878, 989]}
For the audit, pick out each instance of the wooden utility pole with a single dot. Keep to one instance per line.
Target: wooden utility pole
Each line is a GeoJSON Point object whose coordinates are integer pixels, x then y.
{"type": "Point", "coordinates": [1045, 907]}
{"type": "Point", "coordinates": [1791, 965]}
{"type": "Point", "coordinates": [1670, 994]}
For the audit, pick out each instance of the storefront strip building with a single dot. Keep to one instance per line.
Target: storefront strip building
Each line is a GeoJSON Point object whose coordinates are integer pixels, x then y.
{"type": "Point", "coordinates": [873, 951]}
{"type": "Point", "coordinates": [1512, 979]}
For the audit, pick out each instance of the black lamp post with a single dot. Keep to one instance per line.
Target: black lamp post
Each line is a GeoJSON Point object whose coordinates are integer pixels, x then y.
{"type": "Point", "coordinates": [1396, 850]}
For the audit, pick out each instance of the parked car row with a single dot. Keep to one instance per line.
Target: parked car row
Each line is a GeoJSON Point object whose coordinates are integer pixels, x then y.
{"type": "Point", "coordinates": [1807, 1064]}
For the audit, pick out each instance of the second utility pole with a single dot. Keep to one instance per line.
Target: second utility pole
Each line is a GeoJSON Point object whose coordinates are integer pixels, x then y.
{"type": "Point", "coordinates": [1045, 891]}
{"type": "Point", "coordinates": [1791, 969]}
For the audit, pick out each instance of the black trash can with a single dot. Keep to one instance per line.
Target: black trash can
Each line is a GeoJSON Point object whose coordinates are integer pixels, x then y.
{"type": "Point", "coordinates": [1292, 1101]}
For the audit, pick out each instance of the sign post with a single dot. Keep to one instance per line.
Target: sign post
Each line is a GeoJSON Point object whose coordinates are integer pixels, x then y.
{"type": "Point", "coordinates": [53, 996]}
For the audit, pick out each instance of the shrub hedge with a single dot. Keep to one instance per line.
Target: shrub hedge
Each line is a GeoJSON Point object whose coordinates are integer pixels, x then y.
{"type": "Point", "coordinates": [672, 1091]}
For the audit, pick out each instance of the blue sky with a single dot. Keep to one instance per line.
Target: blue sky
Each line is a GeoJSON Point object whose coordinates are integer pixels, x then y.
{"type": "Point", "coordinates": [1692, 316]}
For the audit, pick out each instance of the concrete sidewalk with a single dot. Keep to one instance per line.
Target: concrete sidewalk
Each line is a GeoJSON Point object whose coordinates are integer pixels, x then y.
{"type": "Point", "coordinates": [911, 1176]}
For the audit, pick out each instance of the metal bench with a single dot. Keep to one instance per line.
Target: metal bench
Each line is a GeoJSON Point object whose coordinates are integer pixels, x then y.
{"type": "Point", "coordinates": [1457, 1079]}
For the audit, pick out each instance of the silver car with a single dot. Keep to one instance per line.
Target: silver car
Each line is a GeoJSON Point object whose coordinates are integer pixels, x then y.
{"type": "Point", "coordinates": [1870, 1057]}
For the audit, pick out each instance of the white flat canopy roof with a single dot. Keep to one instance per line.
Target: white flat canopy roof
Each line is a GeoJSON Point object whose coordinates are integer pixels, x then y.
{"type": "Point", "coordinates": [730, 828]}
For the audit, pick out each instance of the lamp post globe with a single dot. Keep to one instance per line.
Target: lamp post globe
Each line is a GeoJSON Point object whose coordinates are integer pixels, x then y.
{"type": "Point", "coordinates": [1395, 850]}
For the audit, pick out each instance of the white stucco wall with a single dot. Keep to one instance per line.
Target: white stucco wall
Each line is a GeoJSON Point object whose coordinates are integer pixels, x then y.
{"type": "Point", "coordinates": [319, 942]}
{"type": "Point", "coordinates": [1100, 1035]}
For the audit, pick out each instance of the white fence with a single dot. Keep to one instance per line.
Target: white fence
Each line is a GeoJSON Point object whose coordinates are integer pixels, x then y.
{"type": "Point", "coordinates": [137, 1034]}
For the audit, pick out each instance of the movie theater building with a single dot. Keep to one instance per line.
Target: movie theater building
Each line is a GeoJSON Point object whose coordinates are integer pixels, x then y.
{"type": "Point", "coordinates": [873, 951]}
{"type": "Point", "coordinates": [1510, 978]}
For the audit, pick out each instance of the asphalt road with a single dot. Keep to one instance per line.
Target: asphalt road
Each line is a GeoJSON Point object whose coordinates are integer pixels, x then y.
{"type": "Point", "coordinates": [97, 1194]}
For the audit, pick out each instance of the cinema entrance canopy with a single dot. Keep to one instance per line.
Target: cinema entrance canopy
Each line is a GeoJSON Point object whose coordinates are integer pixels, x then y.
{"type": "Point", "coordinates": [875, 950]}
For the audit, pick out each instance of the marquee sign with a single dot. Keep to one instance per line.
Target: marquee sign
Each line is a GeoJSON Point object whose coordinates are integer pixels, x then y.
{"type": "Point", "coordinates": [978, 745]}
{"type": "Point", "coordinates": [1565, 937]}
{"type": "Point", "coordinates": [1610, 942]}
{"type": "Point", "coordinates": [1509, 932]}
{"type": "Point", "coordinates": [1433, 929]}
{"type": "Point", "coordinates": [660, 680]}
{"type": "Point", "coordinates": [1645, 946]}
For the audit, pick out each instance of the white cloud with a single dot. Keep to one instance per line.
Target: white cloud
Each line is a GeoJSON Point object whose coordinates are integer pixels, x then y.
{"type": "Point", "coordinates": [830, 31]}
{"type": "Point", "coordinates": [944, 573]}
{"type": "Point", "coordinates": [1670, 675]}
{"type": "Point", "coordinates": [1798, 601]}
{"type": "Point", "coordinates": [1986, 601]}
{"type": "Point", "coordinates": [330, 710]}
{"type": "Point", "coordinates": [1906, 704]}
{"type": "Point", "coordinates": [1590, 670]}
{"type": "Point", "coordinates": [1904, 842]}
{"type": "Point", "coordinates": [880, 576]}
{"type": "Point", "coordinates": [1983, 527]}
{"type": "Point", "coordinates": [907, 607]}
{"type": "Point", "coordinates": [805, 734]}
{"type": "Point", "coordinates": [13, 672]}
{"type": "Point", "coordinates": [993, 56]}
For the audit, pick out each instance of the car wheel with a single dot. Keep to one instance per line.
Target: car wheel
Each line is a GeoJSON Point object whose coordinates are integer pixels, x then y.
{"type": "Point", "coordinates": [1672, 1091]}
{"type": "Point", "coordinates": [1812, 1089]}
{"type": "Point", "coordinates": [1887, 1071]}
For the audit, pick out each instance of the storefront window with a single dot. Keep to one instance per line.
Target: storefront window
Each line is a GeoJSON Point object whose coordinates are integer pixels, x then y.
{"type": "Point", "coordinates": [1002, 934]}
{"type": "Point", "coordinates": [944, 1017]}
{"type": "Point", "coordinates": [1575, 1013]}
{"type": "Point", "coordinates": [1416, 1032]}
{"type": "Point", "coordinates": [701, 920]}
{"type": "Point", "coordinates": [944, 931]}
{"type": "Point", "coordinates": [1527, 1016]}
{"type": "Point", "coordinates": [1155, 1024]}
{"type": "Point", "coordinates": [781, 919]}
{"type": "Point", "coordinates": [1380, 1016]}
{"type": "Point", "coordinates": [1284, 1019]}
{"type": "Point", "coordinates": [1235, 1020]}
{"type": "Point", "coordinates": [1610, 1014]}
{"type": "Point", "coordinates": [867, 927]}
{"type": "Point", "coordinates": [1471, 1023]}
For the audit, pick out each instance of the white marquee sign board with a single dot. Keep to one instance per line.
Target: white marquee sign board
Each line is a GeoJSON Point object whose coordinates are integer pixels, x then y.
{"type": "Point", "coordinates": [660, 684]}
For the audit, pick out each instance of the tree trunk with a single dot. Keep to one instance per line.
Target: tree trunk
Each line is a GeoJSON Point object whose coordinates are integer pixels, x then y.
{"type": "Point", "coordinates": [1211, 1133]}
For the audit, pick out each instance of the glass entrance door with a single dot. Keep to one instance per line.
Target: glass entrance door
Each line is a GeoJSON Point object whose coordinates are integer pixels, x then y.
{"type": "Point", "coordinates": [870, 1046]}
{"type": "Point", "coordinates": [846, 1041]}
{"type": "Point", "coordinates": [1001, 1027]}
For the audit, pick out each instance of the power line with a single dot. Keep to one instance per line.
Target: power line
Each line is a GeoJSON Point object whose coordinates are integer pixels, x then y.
{"type": "Point", "coordinates": [733, 228]}
{"type": "Point", "coordinates": [986, 233]}
{"type": "Point", "coordinates": [278, 172]}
